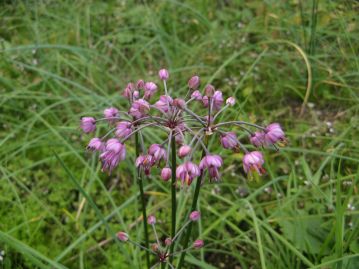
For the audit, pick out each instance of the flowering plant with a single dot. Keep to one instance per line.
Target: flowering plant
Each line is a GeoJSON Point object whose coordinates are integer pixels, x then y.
{"type": "Point", "coordinates": [186, 132]}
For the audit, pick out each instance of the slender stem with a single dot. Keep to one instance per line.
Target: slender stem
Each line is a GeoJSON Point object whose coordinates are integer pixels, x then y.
{"type": "Point", "coordinates": [173, 192]}
{"type": "Point", "coordinates": [239, 123]}
{"type": "Point", "coordinates": [193, 208]}
{"type": "Point", "coordinates": [195, 116]}
{"type": "Point", "coordinates": [143, 202]}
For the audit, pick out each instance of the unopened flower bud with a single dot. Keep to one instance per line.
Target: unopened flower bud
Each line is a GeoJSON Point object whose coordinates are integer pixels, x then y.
{"type": "Point", "coordinates": [111, 114]}
{"type": "Point", "coordinates": [166, 173]}
{"type": "Point", "coordinates": [195, 215]}
{"type": "Point", "coordinates": [151, 220]}
{"type": "Point", "coordinates": [154, 247]}
{"type": "Point", "coordinates": [230, 101]}
{"type": "Point", "coordinates": [88, 124]}
{"type": "Point", "coordinates": [179, 103]}
{"type": "Point", "coordinates": [163, 74]}
{"type": "Point", "coordinates": [194, 82]}
{"type": "Point", "coordinates": [209, 90]}
{"type": "Point", "coordinates": [196, 95]}
{"type": "Point", "coordinates": [136, 95]}
{"type": "Point", "coordinates": [168, 241]}
{"type": "Point", "coordinates": [140, 85]}
{"type": "Point", "coordinates": [184, 151]}
{"type": "Point", "coordinates": [198, 243]}
{"type": "Point", "coordinates": [122, 236]}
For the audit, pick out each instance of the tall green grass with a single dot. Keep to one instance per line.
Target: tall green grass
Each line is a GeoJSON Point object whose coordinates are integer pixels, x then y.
{"type": "Point", "coordinates": [60, 60]}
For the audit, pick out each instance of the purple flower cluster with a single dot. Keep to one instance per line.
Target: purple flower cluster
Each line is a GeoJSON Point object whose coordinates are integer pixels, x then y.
{"type": "Point", "coordinates": [189, 128]}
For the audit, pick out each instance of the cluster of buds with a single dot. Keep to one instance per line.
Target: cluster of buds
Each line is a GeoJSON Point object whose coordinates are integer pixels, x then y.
{"type": "Point", "coordinates": [161, 249]}
{"type": "Point", "coordinates": [181, 124]}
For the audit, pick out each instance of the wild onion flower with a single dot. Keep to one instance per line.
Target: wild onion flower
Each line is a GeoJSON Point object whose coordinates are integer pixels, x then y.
{"type": "Point", "coordinates": [88, 124]}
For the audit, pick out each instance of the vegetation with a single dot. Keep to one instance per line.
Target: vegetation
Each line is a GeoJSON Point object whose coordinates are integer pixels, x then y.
{"type": "Point", "coordinates": [293, 62]}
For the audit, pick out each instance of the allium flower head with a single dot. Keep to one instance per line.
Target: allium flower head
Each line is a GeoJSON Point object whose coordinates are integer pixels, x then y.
{"type": "Point", "coordinates": [139, 108]}
{"type": "Point", "coordinates": [253, 161]}
{"type": "Point", "coordinates": [273, 134]}
{"type": "Point", "coordinates": [186, 172]}
{"type": "Point", "coordinates": [229, 140]}
{"type": "Point", "coordinates": [88, 124]}
{"type": "Point", "coordinates": [212, 163]}
{"type": "Point", "coordinates": [195, 215]}
{"type": "Point", "coordinates": [257, 139]}
{"type": "Point", "coordinates": [193, 82]}
{"type": "Point", "coordinates": [122, 236]}
{"type": "Point", "coordinates": [123, 129]}
{"type": "Point", "coordinates": [111, 114]}
{"type": "Point", "coordinates": [163, 74]}
{"type": "Point", "coordinates": [150, 89]}
{"type": "Point", "coordinates": [96, 144]}
{"type": "Point", "coordinates": [198, 244]}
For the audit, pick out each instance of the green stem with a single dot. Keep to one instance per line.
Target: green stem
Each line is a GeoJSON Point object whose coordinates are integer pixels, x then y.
{"type": "Point", "coordinates": [143, 201]}
{"type": "Point", "coordinates": [173, 192]}
{"type": "Point", "coordinates": [193, 208]}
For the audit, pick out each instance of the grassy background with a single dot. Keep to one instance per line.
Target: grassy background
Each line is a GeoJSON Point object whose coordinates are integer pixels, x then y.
{"type": "Point", "coordinates": [60, 60]}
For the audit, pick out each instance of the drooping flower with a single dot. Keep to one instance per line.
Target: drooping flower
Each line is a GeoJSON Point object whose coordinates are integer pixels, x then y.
{"type": "Point", "coordinates": [186, 172]}
{"type": "Point", "coordinates": [158, 153]}
{"type": "Point", "coordinates": [114, 152]}
{"type": "Point", "coordinates": [166, 173]}
{"type": "Point", "coordinates": [139, 108]}
{"type": "Point", "coordinates": [193, 82]}
{"type": "Point", "coordinates": [230, 101]}
{"type": "Point", "coordinates": [146, 162]}
{"type": "Point", "coordinates": [127, 92]}
{"type": "Point", "coordinates": [273, 133]}
{"type": "Point", "coordinates": [88, 124]}
{"type": "Point", "coordinates": [122, 236]}
{"type": "Point", "coordinates": [123, 129]}
{"type": "Point", "coordinates": [253, 161]}
{"type": "Point", "coordinates": [111, 114]}
{"type": "Point", "coordinates": [229, 140]}
{"type": "Point", "coordinates": [150, 89]}
{"type": "Point", "coordinates": [195, 215]}
{"type": "Point", "coordinates": [216, 100]}
{"type": "Point", "coordinates": [198, 244]}
{"type": "Point", "coordinates": [197, 95]}
{"type": "Point", "coordinates": [96, 144]}
{"type": "Point", "coordinates": [151, 220]}
{"type": "Point", "coordinates": [163, 74]}
{"type": "Point", "coordinates": [184, 151]}
{"type": "Point", "coordinates": [179, 103]}
{"type": "Point", "coordinates": [163, 103]}
{"type": "Point", "coordinates": [257, 139]}
{"type": "Point", "coordinates": [212, 163]}
{"type": "Point", "coordinates": [140, 84]}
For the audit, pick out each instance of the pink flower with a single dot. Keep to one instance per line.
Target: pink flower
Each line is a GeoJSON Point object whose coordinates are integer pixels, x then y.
{"type": "Point", "coordinates": [168, 241]}
{"type": "Point", "coordinates": [111, 114]}
{"type": "Point", "coordinates": [184, 151]}
{"type": "Point", "coordinates": [140, 84]}
{"type": "Point", "coordinates": [209, 90]}
{"type": "Point", "coordinates": [150, 89]}
{"type": "Point", "coordinates": [122, 236]}
{"type": "Point", "coordinates": [212, 163]}
{"type": "Point", "coordinates": [96, 144]}
{"type": "Point", "coordinates": [195, 215]}
{"type": "Point", "coordinates": [151, 220]}
{"type": "Point", "coordinates": [158, 153]}
{"type": "Point", "coordinates": [193, 82]}
{"type": "Point", "coordinates": [166, 173]}
{"type": "Point", "coordinates": [253, 161]}
{"type": "Point", "coordinates": [230, 101]}
{"type": "Point", "coordinates": [186, 172]}
{"type": "Point", "coordinates": [273, 133]}
{"type": "Point", "coordinates": [139, 108]}
{"type": "Point", "coordinates": [163, 74]}
{"type": "Point", "coordinates": [198, 244]}
{"type": "Point", "coordinates": [123, 129]}
{"type": "Point", "coordinates": [197, 95]}
{"type": "Point", "coordinates": [217, 100]}
{"type": "Point", "coordinates": [229, 140]}
{"type": "Point", "coordinates": [136, 95]}
{"type": "Point", "coordinates": [114, 152]}
{"type": "Point", "coordinates": [88, 124]}
{"type": "Point", "coordinates": [163, 103]}
{"type": "Point", "coordinates": [146, 162]}
{"type": "Point", "coordinates": [179, 103]}
{"type": "Point", "coordinates": [257, 139]}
